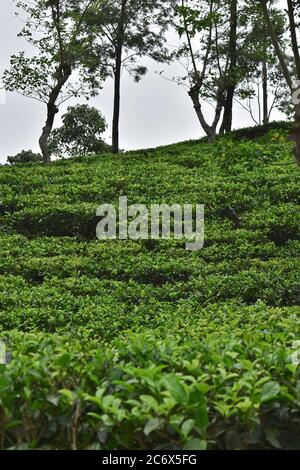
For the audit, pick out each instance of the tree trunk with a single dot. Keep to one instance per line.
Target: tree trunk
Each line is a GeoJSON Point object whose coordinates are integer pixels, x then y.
{"type": "Point", "coordinates": [265, 92]}
{"type": "Point", "coordinates": [232, 47]}
{"type": "Point", "coordinates": [117, 104]}
{"type": "Point", "coordinates": [63, 74]}
{"type": "Point", "coordinates": [211, 131]}
{"type": "Point", "coordinates": [297, 134]}
{"type": "Point", "coordinates": [276, 44]}
{"type": "Point", "coordinates": [117, 76]}
{"type": "Point", "coordinates": [211, 135]}
{"type": "Point", "coordinates": [43, 141]}
{"type": "Point", "coordinates": [293, 29]}
{"type": "Point", "coordinates": [228, 110]}
{"type": "Point", "coordinates": [294, 40]}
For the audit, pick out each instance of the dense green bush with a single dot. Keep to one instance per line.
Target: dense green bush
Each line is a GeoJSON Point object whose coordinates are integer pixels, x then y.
{"type": "Point", "coordinates": [257, 132]}
{"type": "Point", "coordinates": [141, 344]}
{"type": "Point", "coordinates": [149, 393]}
{"type": "Point", "coordinates": [80, 133]}
{"type": "Point", "coordinates": [26, 156]}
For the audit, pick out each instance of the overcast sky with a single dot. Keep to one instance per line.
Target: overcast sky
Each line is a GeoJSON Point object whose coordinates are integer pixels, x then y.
{"type": "Point", "coordinates": [154, 112]}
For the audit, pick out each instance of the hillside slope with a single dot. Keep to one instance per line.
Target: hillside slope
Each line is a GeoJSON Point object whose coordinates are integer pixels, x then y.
{"type": "Point", "coordinates": [139, 344]}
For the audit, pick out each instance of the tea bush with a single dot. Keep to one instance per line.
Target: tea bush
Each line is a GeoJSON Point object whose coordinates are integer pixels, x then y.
{"type": "Point", "coordinates": [142, 344]}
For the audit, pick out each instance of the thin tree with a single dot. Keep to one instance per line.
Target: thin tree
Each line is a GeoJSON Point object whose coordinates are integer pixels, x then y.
{"type": "Point", "coordinates": [261, 80]}
{"type": "Point", "coordinates": [232, 78]}
{"type": "Point", "coordinates": [127, 31]}
{"type": "Point", "coordinates": [291, 74]}
{"type": "Point", "coordinates": [56, 30]}
{"type": "Point", "coordinates": [205, 25]}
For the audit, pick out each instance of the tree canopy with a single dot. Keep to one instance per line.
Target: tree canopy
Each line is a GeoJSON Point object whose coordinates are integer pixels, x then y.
{"type": "Point", "coordinates": [80, 133]}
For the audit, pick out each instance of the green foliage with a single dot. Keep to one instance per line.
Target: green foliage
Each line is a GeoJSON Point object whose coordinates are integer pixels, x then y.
{"type": "Point", "coordinates": [26, 156]}
{"type": "Point", "coordinates": [280, 135]}
{"type": "Point", "coordinates": [138, 27]}
{"type": "Point", "coordinates": [208, 65]}
{"type": "Point", "coordinates": [258, 64]}
{"type": "Point", "coordinates": [257, 132]}
{"type": "Point", "coordinates": [60, 50]}
{"type": "Point", "coordinates": [56, 31]}
{"type": "Point", "coordinates": [80, 133]}
{"type": "Point", "coordinates": [142, 392]}
{"type": "Point", "coordinates": [142, 344]}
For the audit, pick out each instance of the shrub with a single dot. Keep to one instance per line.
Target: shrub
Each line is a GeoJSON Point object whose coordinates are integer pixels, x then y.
{"type": "Point", "coordinates": [80, 133]}
{"type": "Point", "coordinates": [26, 156]}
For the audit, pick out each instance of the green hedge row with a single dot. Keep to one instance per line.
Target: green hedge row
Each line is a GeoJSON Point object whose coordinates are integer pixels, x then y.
{"type": "Point", "coordinates": [146, 393]}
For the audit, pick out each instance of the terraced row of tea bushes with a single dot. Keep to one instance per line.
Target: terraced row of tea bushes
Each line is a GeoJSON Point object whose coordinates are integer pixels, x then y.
{"type": "Point", "coordinates": [118, 307]}
{"type": "Point", "coordinates": [142, 344]}
{"type": "Point", "coordinates": [61, 286]}
{"type": "Point", "coordinates": [62, 200]}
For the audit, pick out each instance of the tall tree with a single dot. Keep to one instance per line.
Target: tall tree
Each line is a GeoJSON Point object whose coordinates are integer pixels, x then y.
{"type": "Point", "coordinates": [56, 29]}
{"type": "Point", "coordinates": [120, 32]}
{"type": "Point", "coordinates": [232, 78]}
{"type": "Point", "coordinates": [204, 25]}
{"type": "Point", "coordinates": [261, 81]}
{"type": "Point", "coordinates": [130, 30]}
{"type": "Point", "coordinates": [291, 74]}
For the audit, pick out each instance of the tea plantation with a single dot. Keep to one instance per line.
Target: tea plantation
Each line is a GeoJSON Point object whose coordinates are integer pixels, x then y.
{"type": "Point", "coordinates": [142, 344]}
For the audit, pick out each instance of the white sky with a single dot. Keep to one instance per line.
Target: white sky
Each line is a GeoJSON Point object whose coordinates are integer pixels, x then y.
{"type": "Point", "coordinates": [154, 112]}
